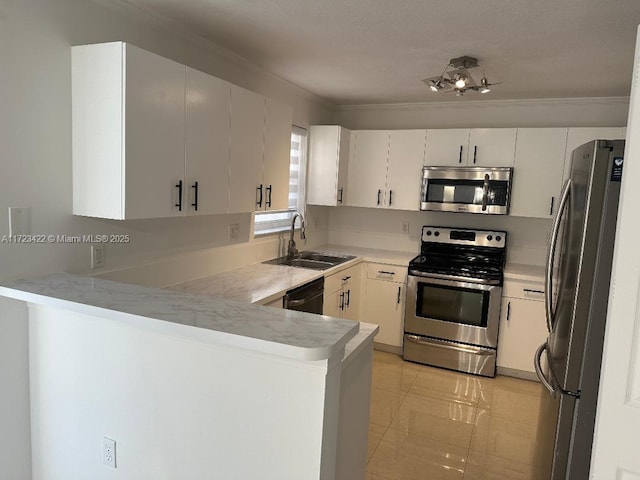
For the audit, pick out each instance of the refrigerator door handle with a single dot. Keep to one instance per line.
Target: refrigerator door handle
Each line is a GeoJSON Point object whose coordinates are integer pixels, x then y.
{"type": "Point", "coordinates": [548, 283]}
{"type": "Point", "coordinates": [537, 365]}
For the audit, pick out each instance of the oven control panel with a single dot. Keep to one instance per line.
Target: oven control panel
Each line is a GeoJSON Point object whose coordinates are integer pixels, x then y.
{"type": "Point", "coordinates": [463, 236]}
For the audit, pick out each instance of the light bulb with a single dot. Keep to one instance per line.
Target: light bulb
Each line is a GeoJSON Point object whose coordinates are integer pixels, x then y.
{"type": "Point", "coordinates": [484, 85]}
{"type": "Point", "coordinates": [461, 81]}
{"type": "Point", "coordinates": [433, 87]}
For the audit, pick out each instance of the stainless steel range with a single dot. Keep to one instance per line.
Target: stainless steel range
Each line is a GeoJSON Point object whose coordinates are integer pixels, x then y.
{"type": "Point", "coordinates": [454, 292]}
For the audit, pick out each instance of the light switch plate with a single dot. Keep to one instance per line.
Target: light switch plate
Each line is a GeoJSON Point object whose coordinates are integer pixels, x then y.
{"type": "Point", "coordinates": [19, 222]}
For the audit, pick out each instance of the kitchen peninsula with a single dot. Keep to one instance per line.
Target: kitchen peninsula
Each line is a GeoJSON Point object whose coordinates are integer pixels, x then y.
{"type": "Point", "coordinates": [190, 386]}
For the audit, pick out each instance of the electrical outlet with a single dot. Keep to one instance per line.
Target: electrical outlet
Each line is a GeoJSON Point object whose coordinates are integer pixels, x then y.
{"type": "Point", "coordinates": [97, 256]}
{"type": "Point", "coordinates": [405, 227]}
{"type": "Point", "coordinates": [234, 231]}
{"type": "Point", "coordinates": [109, 452]}
{"type": "Point", "coordinates": [19, 221]}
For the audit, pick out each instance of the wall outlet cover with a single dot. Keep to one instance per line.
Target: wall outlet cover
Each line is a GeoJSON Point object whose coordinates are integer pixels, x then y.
{"type": "Point", "coordinates": [405, 227]}
{"type": "Point", "coordinates": [109, 452]}
{"type": "Point", "coordinates": [19, 221]}
{"type": "Point", "coordinates": [97, 256]}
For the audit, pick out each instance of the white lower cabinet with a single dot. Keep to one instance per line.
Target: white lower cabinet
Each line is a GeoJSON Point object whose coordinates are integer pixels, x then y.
{"type": "Point", "coordinates": [384, 301]}
{"type": "Point", "coordinates": [523, 328]}
{"type": "Point", "coordinates": [342, 294]}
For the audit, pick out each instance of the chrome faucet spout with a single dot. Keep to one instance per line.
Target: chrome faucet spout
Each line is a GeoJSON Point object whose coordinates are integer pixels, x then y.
{"type": "Point", "coordinates": [292, 251]}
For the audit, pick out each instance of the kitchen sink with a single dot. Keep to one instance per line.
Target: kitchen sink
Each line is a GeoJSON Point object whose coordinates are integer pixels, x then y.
{"type": "Point", "coordinates": [312, 260]}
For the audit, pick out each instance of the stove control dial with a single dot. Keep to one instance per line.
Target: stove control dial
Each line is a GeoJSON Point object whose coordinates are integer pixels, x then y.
{"type": "Point", "coordinates": [436, 233]}
{"type": "Point", "coordinates": [428, 233]}
{"type": "Point", "coordinates": [498, 238]}
{"type": "Point", "coordinates": [489, 237]}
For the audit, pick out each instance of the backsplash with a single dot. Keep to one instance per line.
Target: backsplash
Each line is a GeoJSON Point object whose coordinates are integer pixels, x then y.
{"type": "Point", "coordinates": [377, 228]}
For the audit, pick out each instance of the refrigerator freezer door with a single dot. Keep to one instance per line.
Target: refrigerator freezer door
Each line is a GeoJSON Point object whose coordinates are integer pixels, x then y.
{"type": "Point", "coordinates": [584, 260]}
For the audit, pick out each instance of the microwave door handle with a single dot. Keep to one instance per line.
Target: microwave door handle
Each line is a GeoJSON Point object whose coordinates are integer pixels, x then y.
{"type": "Point", "coordinates": [553, 241]}
{"type": "Point", "coordinates": [485, 192]}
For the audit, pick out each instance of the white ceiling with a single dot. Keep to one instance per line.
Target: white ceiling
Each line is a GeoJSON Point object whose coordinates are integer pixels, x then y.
{"type": "Point", "coordinates": [378, 51]}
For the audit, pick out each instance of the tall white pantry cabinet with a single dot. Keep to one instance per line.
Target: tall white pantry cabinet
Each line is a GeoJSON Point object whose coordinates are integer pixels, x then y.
{"type": "Point", "coordinates": [153, 138]}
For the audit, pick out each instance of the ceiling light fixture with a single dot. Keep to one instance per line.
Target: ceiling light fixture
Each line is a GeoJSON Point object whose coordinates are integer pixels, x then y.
{"type": "Point", "coordinates": [456, 78]}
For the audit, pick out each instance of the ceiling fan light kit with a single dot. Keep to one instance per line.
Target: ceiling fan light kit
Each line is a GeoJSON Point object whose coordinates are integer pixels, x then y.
{"type": "Point", "coordinates": [456, 78]}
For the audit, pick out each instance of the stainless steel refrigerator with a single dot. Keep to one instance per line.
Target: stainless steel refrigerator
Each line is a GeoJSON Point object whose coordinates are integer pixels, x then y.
{"type": "Point", "coordinates": [578, 274]}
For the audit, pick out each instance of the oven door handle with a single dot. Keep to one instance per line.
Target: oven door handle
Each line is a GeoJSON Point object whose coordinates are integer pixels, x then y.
{"type": "Point", "coordinates": [453, 279]}
{"type": "Point", "coordinates": [449, 345]}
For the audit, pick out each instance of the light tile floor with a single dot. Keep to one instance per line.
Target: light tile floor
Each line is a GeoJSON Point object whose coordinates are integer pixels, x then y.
{"type": "Point", "coordinates": [430, 423]}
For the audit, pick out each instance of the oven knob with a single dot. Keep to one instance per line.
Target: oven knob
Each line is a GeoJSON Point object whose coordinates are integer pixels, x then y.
{"type": "Point", "coordinates": [436, 233]}
{"type": "Point", "coordinates": [489, 237]}
{"type": "Point", "coordinates": [428, 233]}
{"type": "Point", "coordinates": [498, 238]}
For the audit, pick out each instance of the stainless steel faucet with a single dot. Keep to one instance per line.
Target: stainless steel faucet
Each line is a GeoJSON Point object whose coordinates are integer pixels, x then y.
{"type": "Point", "coordinates": [292, 251]}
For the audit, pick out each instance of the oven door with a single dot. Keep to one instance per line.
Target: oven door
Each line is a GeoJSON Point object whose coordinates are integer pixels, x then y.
{"type": "Point", "coordinates": [459, 311]}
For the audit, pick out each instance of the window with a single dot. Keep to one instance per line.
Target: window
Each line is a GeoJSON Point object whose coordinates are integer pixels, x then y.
{"type": "Point", "coordinates": [271, 222]}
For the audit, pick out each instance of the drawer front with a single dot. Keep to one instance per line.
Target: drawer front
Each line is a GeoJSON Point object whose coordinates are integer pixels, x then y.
{"type": "Point", "coordinates": [343, 279]}
{"type": "Point", "coordinates": [391, 273]}
{"type": "Point", "coordinates": [524, 290]}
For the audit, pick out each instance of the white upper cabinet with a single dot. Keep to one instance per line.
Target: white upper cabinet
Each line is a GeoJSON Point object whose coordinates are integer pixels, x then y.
{"type": "Point", "coordinates": [482, 147]}
{"type": "Point", "coordinates": [492, 147]}
{"type": "Point", "coordinates": [385, 168]}
{"type": "Point", "coordinates": [207, 143]}
{"type": "Point", "coordinates": [537, 176]}
{"type": "Point", "coordinates": [128, 127]}
{"type": "Point", "coordinates": [153, 138]}
{"type": "Point", "coordinates": [404, 171]}
{"type": "Point", "coordinates": [368, 168]}
{"type": "Point", "coordinates": [260, 152]}
{"type": "Point", "coordinates": [447, 147]}
{"type": "Point", "coordinates": [581, 135]}
{"type": "Point", "coordinates": [328, 165]}
{"type": "Point", "coordinates": [246, 191]}
{"type": "Point", "coordinates": [277, 154]}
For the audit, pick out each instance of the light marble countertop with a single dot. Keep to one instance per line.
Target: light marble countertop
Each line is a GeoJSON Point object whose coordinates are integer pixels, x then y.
{"type": "Point", "coordinates": [286, 333]}
{"type": "Point", "coordinates": [261, 283]}
{"type": "Point", "coordinates": [527, 273]}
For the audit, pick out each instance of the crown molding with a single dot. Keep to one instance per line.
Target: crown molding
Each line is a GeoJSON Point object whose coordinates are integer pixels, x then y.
{"type": "Point", "coordinates": [567, 102]}
{"type": "Point", "coordinates": [175, 27]}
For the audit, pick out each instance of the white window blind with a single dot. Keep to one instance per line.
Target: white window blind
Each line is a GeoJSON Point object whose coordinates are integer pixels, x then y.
{"type": "Point", "coordinates": [271, 222]}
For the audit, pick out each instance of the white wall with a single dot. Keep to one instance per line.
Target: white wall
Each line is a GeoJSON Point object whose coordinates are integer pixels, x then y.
{"type": "Point", "coordinates": [470, 113]}
{"type": "Point", "coordinates": [35, 131]}
{"type": "Point", "coordinates": [372, 228]}
{"type": "Point", "coordinates": [178, 408]}
{"type": "Point", "coordinates": [15, 440]}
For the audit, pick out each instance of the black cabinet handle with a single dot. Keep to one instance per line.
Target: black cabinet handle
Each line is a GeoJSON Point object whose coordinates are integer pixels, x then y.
{"type": "Point", "coordinates": [475, 151]}
{"type": "Point", "coordinates": [344, 279]}
{"type": "Point", "coordinates": [553, 199]}
{"type": "Point", "coordinates": [348, 298]}
{"type": "Point", "coordinates": [342, 301]}
{"type": "Point", "coordinates": [399, 291]}
{"type": "Point", "coordinates": [379, 193]}
{"type": "Point", "coordinates": [259, 202]}
{"type": "Point", "coordinates": [390, 196]}
{"type": "Point", "coordinates": [529, 290]}
{"type": "Point", "coordinates": [460, 157]}
{"type": "Point", "coordinates": [179, 187]}
{"type": "Point", "coordinates": [508, 311]}
{"type": "Point", "coordinates": [267, 203]}
{"type": "Point", "coordinates": [384, 272]}
{"type": "Point", "coordinates": [340, 195]}
{"type": "Point", "coordinates": [195, 196]}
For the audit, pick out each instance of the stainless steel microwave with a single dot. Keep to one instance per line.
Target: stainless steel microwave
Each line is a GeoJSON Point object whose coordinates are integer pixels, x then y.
{"type": "Point", "coordinates": [467, 189]}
